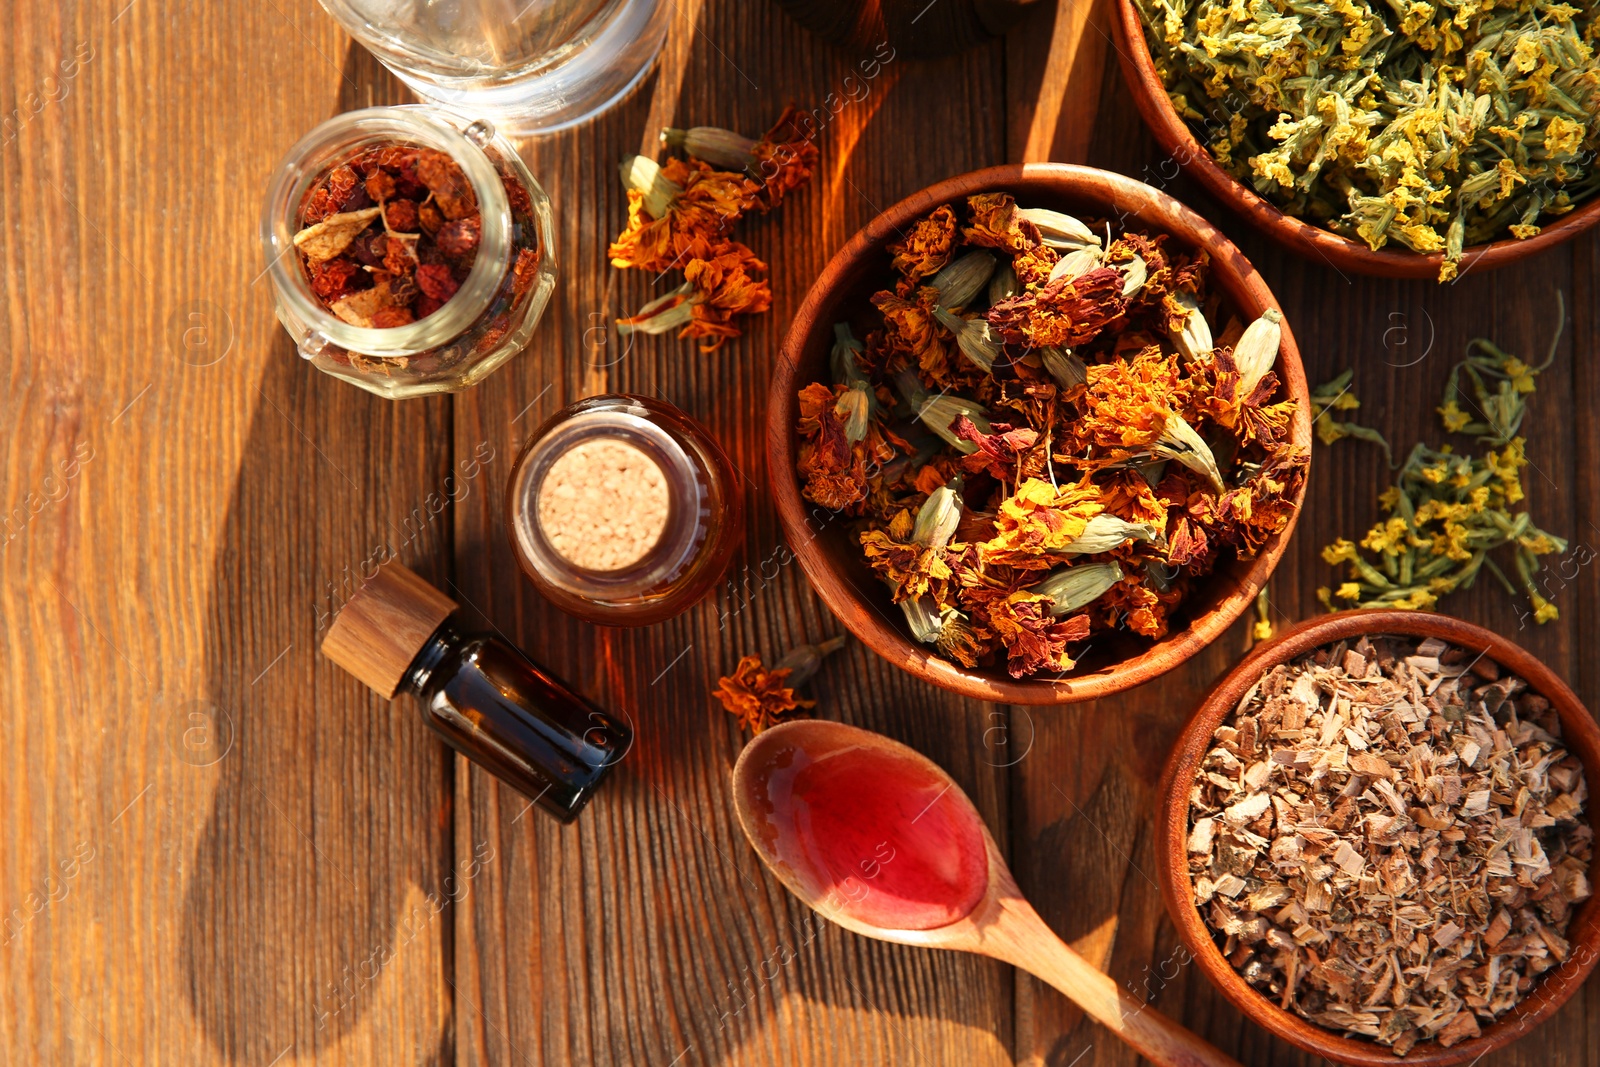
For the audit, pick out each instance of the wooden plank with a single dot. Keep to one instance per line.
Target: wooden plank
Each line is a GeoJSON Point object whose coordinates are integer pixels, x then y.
{"type": "Point", "coordinates": [649, 932]}
{"type": "Point", "coordinates": [246, 831]}
{"type": "Point", "coordinates": [1057, 58]}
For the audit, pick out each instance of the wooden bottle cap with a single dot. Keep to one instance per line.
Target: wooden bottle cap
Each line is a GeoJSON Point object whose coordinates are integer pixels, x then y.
{"type": "Point", "coordinates": [380, 630]}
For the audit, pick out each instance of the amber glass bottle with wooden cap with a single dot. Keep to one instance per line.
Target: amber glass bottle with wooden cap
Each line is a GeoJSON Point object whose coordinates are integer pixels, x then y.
{"type": "Point", "coordinates": [624, 511]}
{"type": "Point", "coordinates": [485, 698]}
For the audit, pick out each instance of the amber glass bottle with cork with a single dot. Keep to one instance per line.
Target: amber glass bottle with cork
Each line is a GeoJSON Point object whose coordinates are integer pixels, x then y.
{"type": "Point", "coordinates": [485, 698]}
{"type": "Point", "coordinates": [624, 511]}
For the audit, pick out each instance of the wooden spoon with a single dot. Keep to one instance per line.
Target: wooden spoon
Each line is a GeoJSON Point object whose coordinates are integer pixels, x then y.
{"type": "Point", "coordinates": [773, 806]}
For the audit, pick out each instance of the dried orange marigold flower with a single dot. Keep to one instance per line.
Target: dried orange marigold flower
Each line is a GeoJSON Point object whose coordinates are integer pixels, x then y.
{"type": "Point", "coordinates": [925, 250]}
{"type": "Point", "coordinates": [723, 285]}
{"type": "Point", "coordinates": [677, 211]}
{"type": "Point", "coordinates": [780, 162]}
{"type": "Point", "coordinates": [760, 697]}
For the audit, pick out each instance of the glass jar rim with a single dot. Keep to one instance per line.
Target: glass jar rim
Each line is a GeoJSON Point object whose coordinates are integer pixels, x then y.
{"type": "Point", "coordinates": [420, 124]}
{"type": "Point", "coordinates": [680, 538]}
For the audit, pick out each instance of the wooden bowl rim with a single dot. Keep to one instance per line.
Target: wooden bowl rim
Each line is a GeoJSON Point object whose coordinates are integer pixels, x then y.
{"type": "Point", "coordinates": [1305, 238]}
{"type": "Point", "coordinates": [1580, 734]}
{"type": "Point", "coordinates": [850, 603]}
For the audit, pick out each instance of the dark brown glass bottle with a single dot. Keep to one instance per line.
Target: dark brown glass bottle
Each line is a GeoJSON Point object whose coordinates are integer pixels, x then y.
{"type": "Point", "coordinates": [485, 698]}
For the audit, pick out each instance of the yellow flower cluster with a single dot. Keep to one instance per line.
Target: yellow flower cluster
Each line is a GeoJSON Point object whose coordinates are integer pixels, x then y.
{"type": "Point", "coordinates": [1448, 511]}
{"type": "Point", "coordinates": [1435, 125]}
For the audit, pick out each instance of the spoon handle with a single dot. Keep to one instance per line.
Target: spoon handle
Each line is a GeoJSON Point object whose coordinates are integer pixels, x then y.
{"type": "Point", "coordinates": [1024, 940]}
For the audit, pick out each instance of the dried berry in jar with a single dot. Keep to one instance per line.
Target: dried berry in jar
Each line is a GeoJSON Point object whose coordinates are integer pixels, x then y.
{"type": "Point", "coordinates": [390, 234]}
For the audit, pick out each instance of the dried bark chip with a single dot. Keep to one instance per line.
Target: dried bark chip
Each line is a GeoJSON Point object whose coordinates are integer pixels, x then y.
{"type": "Point", "coordinates": [1462, 1025]}
{"type": "Point", "coordinates": [1388, 840]}
{"type": "Point", "coordinates": [1372, 766]}
{"type": "Point", "coordinates": [1247, 809]}
{"type": "Point", "coordinates": [333, 235]}
{"type": "Point", "coordinates": [361, 309]}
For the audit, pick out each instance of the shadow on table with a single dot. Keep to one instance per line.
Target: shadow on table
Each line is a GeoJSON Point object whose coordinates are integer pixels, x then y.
{"type": "Point", "coordinates": [310, 894]}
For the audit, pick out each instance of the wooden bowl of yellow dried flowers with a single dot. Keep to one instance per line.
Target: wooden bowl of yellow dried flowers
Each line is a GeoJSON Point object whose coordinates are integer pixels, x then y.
{"type": "Point", "coordinates": [1423, 178]}
{"type": "Point", "coordinates": [1044, 475]}
{"type": "Point", "coordinates": [1376, 838]}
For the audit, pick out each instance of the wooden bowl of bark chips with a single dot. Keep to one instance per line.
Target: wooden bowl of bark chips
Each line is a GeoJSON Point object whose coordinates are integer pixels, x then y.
{"type": "Point", "coordinates": [1377, 841]}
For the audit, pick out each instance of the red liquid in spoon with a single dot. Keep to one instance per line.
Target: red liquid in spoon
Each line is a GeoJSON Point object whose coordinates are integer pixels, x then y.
{"type": "Point", "coordinates": [879, 836]}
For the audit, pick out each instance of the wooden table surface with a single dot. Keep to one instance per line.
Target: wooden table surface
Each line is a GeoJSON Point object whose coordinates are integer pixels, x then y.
{"type": "Point", "coordinates": [218, 848]}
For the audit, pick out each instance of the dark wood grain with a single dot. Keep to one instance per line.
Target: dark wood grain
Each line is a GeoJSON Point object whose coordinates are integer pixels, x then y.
{"type": "Point", "coordinates": [259, 829]}
{"type": "Point", "coordinates": [273, 866]}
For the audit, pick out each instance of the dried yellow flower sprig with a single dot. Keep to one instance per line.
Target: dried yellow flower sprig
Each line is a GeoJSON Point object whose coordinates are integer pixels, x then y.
{"type": "Point", "coordinates": [1434, 125]}
{"type": "Point", "coordinates": [1336, 395]}
{"type": "Point", "coordinates": [1448, 512]}
{"type": "Point", "coordinates": [1500, 385]}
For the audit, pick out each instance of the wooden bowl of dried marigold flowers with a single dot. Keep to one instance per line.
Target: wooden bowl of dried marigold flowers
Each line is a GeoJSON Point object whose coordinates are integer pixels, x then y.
{"type": "Point", "coordinates": [1370, 163]}
{"type": "Point", "coordinates": [1038, 434]}
{"type": "Point", "coordinates": [1377, 840]}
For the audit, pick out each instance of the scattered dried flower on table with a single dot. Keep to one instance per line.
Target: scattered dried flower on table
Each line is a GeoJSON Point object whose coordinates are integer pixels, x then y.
{"type": "Point", "coordinates": [1433, 126]}
{"type": "Point", "coordinates": [1337, 395]}
{"type": "Point", "coordinates": [681, 216]}
{"type": "Point", "coordinates": [727, 283]}
{"type": "Point", "coordinates": [1449, 511]}
{"type": "Point", "coordinates": [1034, 458]}
{"type": "Point", "coordinates": [1499, 383]}
{"type": "Point", "coordinates": [677, 211]}
{"type": "Point", "coordinates": [759, 696]}
{"type": "Point", "coordinates": [1387, 839]}
{"type": "Point", "coordinates": [780, 161]}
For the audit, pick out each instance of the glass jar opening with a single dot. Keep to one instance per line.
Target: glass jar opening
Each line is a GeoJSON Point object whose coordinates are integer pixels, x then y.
{"type": "Point", "coordinates": [674, 549]}
{"type": "Point", "coordinates": [336, 141]}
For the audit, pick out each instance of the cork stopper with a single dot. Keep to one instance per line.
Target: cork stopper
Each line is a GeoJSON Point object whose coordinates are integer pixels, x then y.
{"type": "Point", "coordinates": [603, 504]}
{"type": "Point", "coordinates": [380, 630]}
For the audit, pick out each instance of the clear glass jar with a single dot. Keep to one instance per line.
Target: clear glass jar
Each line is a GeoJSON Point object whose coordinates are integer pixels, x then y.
{"type": "Point", "coordinates": [490, 317]}
{"type": "Point", "coordinates": [530, 66]}
{"type": "Point", "coordinates": [703, 526]}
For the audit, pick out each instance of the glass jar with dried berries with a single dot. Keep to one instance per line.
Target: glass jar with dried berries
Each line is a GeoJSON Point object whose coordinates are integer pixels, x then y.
{"type": "Point", "coordinates": [409, 248]}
